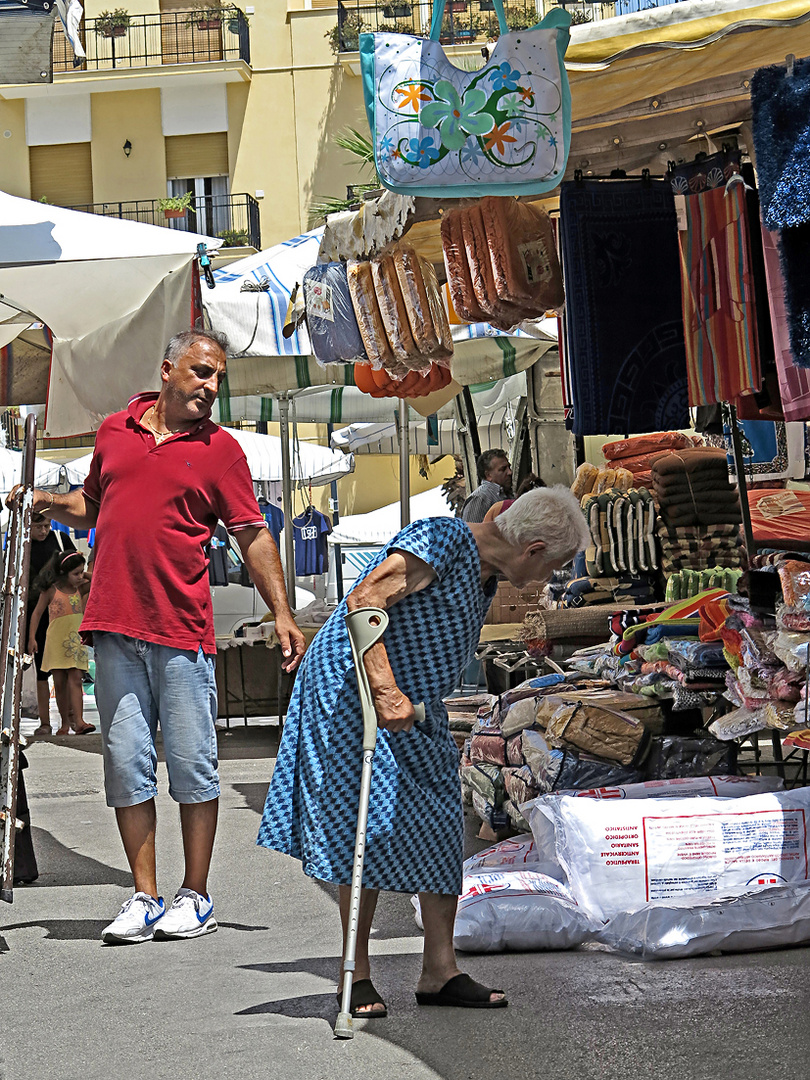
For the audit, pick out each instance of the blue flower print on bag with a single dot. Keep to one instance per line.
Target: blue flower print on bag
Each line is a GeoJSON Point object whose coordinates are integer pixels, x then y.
{"type": "Point", "coordinates": [426, 152]}
{"type": "Point", "coordinates": [504, 77]}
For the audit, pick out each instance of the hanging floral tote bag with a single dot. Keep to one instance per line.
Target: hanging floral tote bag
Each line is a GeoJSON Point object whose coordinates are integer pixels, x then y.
{"type": "Point", "coordinates": [440, 131]}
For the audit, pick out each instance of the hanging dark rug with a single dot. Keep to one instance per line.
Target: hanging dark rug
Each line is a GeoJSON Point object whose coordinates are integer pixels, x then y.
{"type": "Point", "coordinates": [626, 354]}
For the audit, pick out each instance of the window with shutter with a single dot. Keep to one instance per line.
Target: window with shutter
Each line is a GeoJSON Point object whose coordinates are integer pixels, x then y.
{"type": "Point", "coordinates": [62, 174]}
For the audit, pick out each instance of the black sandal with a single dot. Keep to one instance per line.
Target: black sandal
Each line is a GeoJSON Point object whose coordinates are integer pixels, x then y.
{"type": "Point", "coordinates": [464, 993]}
{"type": "Point", "coordinates": [363, 993]}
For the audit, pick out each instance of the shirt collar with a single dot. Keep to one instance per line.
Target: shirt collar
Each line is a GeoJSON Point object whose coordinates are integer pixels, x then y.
{"type": "Point", "coordinates": [139, 405]}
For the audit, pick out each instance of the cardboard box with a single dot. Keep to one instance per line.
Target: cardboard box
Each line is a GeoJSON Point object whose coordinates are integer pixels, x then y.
{"type": "Point", "coordinates": [510, 604]}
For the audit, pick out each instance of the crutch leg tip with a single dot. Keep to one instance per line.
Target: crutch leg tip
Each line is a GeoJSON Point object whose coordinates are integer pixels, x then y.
{"type": "Point", "coordinates": [343, 1026]}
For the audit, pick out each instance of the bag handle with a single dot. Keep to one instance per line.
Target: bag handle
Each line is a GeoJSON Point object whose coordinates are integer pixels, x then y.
{"type": "Point", "coordinates": [438, 15]}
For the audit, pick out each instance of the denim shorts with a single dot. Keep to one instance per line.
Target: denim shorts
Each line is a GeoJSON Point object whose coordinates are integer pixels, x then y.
{"type": "Point", "coordinates": [138, 685]}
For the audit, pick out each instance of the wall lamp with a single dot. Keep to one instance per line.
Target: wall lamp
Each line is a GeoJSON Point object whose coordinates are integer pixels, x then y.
{"type": "Point", "coordinates": [127, 148]}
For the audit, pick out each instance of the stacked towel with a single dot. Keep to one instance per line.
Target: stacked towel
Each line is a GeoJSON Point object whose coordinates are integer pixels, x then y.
{"type": "Point", "coordinates": [699, 547]}
{"type": "Point", "coordinates": [692, 488]}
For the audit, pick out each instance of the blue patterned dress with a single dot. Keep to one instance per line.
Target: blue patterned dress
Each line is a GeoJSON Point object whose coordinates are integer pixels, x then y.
{"type": "Point", "coordinates": [415, 824]}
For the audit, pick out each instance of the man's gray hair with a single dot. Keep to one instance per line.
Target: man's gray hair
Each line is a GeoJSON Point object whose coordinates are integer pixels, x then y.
{"type": "Point", "coordinates": [552, 515]}
{"type": "Point", "coordinates": [182, 342]}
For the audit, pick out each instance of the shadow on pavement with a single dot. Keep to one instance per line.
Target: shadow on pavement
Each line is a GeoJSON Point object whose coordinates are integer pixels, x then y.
{"type": "Point", "coordinates": [59, 865]}
{"type": "Point", "coordinates": [63, 929]}
{"type": "Point", "coordinates": [253, 794]}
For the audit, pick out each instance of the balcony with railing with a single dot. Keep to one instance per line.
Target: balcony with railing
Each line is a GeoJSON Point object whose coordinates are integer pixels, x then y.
{"type": "Point", "coordinates": [466, 21]}
{"type": "Point", "coordinates": [124, 41]}
{"type": "Point", "coordinates": [234, 218]}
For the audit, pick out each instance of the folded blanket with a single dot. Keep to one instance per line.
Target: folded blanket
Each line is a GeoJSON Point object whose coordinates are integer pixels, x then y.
{"type": "Point", "coordinates": [694, 532]}
{"type": "Point", "coordinates": [691, 460]}
{"type": "Point", "coordinates": [645, 445]}
{"type": "Point", "coordinates": [702, 500]}
{"type": "Point", "coordinates": [704, 482]}
{"type": "Point", "coordinates": [675, 515]}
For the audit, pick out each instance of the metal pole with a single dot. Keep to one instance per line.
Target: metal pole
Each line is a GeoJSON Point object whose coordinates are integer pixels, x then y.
{"type": "Point", "coordinates": [404, 465]}
{"type": "Point", "coordinates": [333, 488]}
{"type": "Point", "coordinates": [286, 496]}
{"type": "Point", "coordinates": [739, 465]}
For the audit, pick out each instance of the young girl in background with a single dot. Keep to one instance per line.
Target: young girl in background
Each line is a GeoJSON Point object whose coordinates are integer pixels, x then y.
{"type": "Point", "coordinates": [63, 588]}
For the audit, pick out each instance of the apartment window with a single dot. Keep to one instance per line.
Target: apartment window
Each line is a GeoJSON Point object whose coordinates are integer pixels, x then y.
{"type": "Point", "coordinates": [62, 174]}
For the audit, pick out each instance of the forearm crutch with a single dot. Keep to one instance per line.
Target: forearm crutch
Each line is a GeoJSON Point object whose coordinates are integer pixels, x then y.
{"type": "Point", "coordinates": [365, 627]}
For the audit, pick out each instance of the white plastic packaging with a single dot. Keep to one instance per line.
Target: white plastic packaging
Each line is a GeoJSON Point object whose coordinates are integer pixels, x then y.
{"type": "Point", "coordinates": [507, 905]}
{"type": "Point", "coordinates": [619, 856]}
{"type": "Point", "coordinates": [732, 787]}
{"type": "Point", "coordinates": [772, 918]}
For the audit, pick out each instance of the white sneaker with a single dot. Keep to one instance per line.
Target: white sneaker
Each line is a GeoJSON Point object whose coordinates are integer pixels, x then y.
{"type": "Point", "coordinates": [136, 920]}
{"type": "Point", "coordinates": [190, 915]}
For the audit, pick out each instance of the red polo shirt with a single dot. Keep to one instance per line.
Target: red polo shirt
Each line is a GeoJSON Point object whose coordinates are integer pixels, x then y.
{"type": "Point", "coordinates": [158, 507]}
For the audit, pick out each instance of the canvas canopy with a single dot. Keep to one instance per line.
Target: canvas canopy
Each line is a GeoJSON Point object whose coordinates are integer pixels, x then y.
{"type": "Point", "coordinates": [310, 464]}
{"type": "Point", "coordinates": [379, 526]}
{"type": "Point", "coordinates": [112, 293]}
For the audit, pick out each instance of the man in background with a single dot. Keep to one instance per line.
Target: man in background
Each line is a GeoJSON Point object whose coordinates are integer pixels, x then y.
{"type": "Point", "coordinates": [495, 476]}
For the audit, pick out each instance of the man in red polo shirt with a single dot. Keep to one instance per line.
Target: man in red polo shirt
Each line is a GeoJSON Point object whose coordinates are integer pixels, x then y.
{"type": "Point", "coordinates": [162, 476]}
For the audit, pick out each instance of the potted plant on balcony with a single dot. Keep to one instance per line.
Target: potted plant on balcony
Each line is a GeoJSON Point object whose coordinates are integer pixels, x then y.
{"type": "Point", "coordinates": [112, 24]}
{"type": "Point", "coordinates": [234, 237]}
{"type": "Point", "coordinates": [397, 11]}
{"type": "Point", "coordinates": [206, 15]}
{"type": "Point", "coordinates": [176, 206]}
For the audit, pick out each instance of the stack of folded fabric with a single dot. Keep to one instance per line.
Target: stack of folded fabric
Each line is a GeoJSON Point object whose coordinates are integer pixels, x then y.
{"type": "Point", "coordinates": [692, 487]}
{"type": "Point", "coordinates": [699, 548]}
{"type": "Point", "coordinates": [636, 454]}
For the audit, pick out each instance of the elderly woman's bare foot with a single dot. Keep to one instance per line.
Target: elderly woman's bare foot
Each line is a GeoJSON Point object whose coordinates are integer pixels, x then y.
{"type": "Point", "coordinates": [366, 1002]}
{"type": "Point", "coordinates": [460, 991]}
{"type": "Point", "coordinates": [63, 730]}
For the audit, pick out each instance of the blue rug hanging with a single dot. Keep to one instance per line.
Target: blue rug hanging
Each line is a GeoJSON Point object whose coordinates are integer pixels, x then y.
{"type": "Point", "coordinates": [624, 322]}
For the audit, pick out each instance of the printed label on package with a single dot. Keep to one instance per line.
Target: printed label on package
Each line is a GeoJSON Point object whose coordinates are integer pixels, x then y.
{"type": "Point", "coordinates": [707, 852]}
{"type": "Point", "coordinates": [320, 301]}
{"type": "Point", "coordinates": [535, 261]}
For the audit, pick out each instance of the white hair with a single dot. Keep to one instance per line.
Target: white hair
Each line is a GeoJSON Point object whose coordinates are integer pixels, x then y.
{"type": "Point", "coordinates": [551, 515]}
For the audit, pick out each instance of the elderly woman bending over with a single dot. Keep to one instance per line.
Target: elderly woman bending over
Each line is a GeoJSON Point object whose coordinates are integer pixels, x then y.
{"type": "Point", "coordinates": [436, 579]}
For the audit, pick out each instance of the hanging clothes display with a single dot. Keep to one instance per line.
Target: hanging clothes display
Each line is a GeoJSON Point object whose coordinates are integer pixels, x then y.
{"type": "Point", "coordinates": [719, 314]}
{"type": "Point", "coordinates": [625, 348]}
{"type": "Point", "coordinates": [780, 103]}
{"type": "Point", "coordinates": [274, 516]}
{"type": "Point", "coordinates": [794, 381]}
{"type": "Point", "coordinates": [310, 530]}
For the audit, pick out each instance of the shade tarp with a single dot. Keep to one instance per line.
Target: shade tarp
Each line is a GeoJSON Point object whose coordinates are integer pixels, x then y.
{"type": "Point", "coordinates": [46, 473]}
{"type": "Point", "coordinates": [380, 526]}
{"type": "Point", "coordinates": [310, 463]}
{"type": "Point", "coordinates": [111, 291]}
{"type": "Point", "coordinates": [496, 414]}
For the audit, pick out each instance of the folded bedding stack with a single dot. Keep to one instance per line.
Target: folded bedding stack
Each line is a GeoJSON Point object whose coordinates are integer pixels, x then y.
{"type": "Point", "coordinates": [698, 548]}
{"type": "Point", "coordinates": [636, 455]}
{"type": "Point", "coordinates": [699, 511]}
{"type": "Point", "coordinates": [692, 487]}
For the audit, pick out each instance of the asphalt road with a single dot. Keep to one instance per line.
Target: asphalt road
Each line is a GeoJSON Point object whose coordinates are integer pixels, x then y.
{"type": "Point", "coordinates": [257, 999]}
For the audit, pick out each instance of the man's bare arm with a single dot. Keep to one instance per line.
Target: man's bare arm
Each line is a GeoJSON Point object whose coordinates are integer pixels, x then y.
{"type": "Point", "coordinates": [261, 558]}
{"type": "Point", "coordinates": [73, 509]}
{"type": "Point", "coordinates": [400, 575]}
